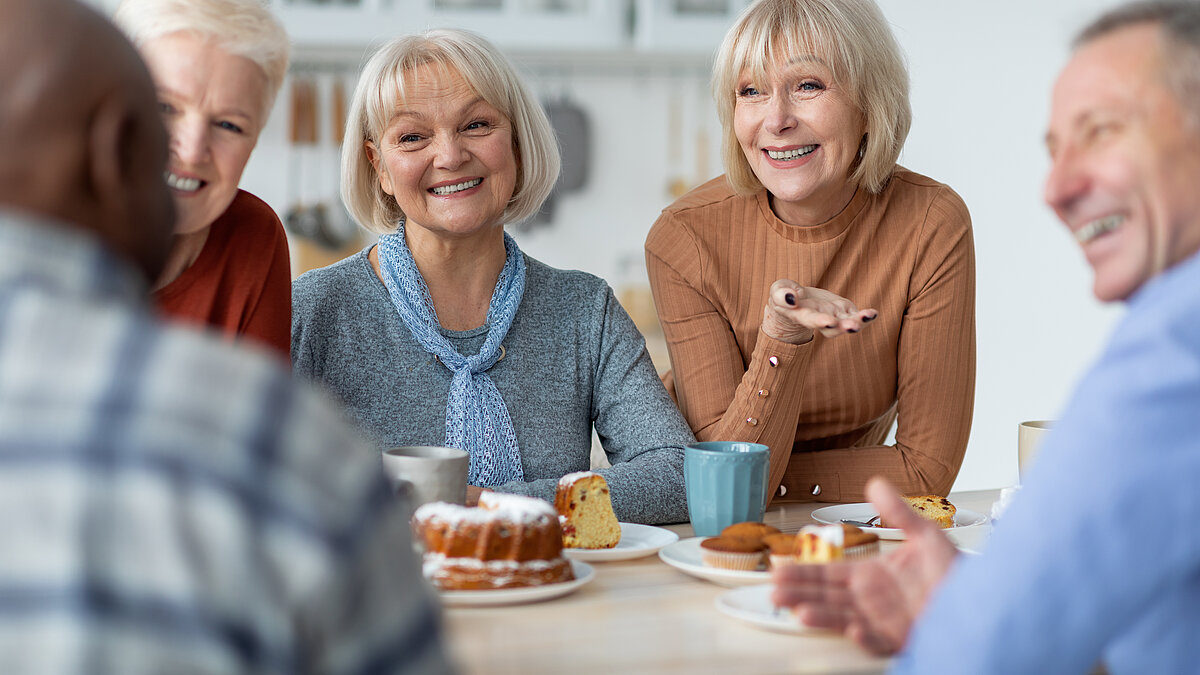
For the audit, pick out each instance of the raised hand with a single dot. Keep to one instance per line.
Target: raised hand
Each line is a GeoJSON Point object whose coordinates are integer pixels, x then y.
{"type": "Point", "coordinates": [876, 601]}
{"type": "Point", "coordinates": [793, 313]}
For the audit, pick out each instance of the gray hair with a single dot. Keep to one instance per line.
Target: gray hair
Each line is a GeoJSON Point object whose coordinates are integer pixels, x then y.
{"type": "Point", "coordinates": [1179, 23]}
{"type": "Point", "coordinates": [854, 38]}
{"type": "Point", "coordinates": [243, 28]}
{"type": "Point", "coordinates": [381, 88]}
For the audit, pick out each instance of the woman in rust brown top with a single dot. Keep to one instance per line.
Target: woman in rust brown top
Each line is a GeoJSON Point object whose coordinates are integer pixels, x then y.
{"type": "Point", "coordinates": [818, 292]}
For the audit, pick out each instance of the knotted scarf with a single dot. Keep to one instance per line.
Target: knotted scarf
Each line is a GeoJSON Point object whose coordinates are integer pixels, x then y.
{"type": "Point", "coordinates": [476, 418]}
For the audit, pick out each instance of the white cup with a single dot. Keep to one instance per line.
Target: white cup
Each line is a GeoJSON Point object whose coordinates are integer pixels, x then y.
{"type": "Point", "coordinates": [428, 473]}
{"type": "Point", "coordinates": [1029, 439]}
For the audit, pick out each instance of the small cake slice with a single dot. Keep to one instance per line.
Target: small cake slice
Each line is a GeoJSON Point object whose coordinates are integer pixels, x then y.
{"type": "Point", "coordinates": [585, 511]}
{"type": "Point", "coordinates": [931, 507]}
{"type": "Point", "coordinates": [816, 544]}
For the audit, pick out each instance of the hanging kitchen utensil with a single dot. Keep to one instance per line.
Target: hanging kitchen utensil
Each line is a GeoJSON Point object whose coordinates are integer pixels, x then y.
{"type": "Point", "coordinates": [301, 219]}
{"type": "Point", "coordinates": [573, 129]}
{"type": "Point", "coordinates": [340, 231]}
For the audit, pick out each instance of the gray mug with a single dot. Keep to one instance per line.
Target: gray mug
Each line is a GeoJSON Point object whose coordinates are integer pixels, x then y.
{"type": "Point", "coordinates": [428, 473]}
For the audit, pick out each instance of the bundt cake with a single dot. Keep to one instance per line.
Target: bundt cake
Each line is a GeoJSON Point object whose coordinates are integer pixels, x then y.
{"type": "Point", "coordinates": [508, 541]}
{"type": "Point", "coordinates": [585, 508]}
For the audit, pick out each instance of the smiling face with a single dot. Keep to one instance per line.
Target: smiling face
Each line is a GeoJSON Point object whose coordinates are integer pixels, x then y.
{"type": "Point", "coordinates": [1125, 161]}
{"type": "Point", "coordinates": [212, 104]}
{"type": "Point", "coordinates": [446, 156]}
{"type": "Point", "coordinates": [800, 132]}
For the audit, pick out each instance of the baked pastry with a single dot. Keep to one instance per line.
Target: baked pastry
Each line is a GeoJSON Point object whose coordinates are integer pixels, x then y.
{"type": "Point", "coordinates": [585, 511]}
{"type": "Point", "coordinates": [931, 507]}
{"type": "Point", "coordinates": [781, 549]}
{"type": "Point", "coordinates": [816, 544]}
{"type": "Point", "coordinates": [733, 553]}
{"type": "Point", "coordinates": [749, 529]}
{"type": "Point", "coordinates": [508, 541]}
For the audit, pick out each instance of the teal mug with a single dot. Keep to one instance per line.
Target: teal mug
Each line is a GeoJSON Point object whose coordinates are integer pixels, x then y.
{"type": "Point", "coordinates": [726, 483]}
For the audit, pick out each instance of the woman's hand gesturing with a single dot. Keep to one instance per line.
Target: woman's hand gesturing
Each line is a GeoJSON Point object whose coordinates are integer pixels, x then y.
{"type": "Point", "coordinates": [793, 313]}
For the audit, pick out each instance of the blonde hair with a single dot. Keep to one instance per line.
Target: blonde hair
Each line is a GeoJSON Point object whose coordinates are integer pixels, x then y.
{"type": "Point", "coordinates": [854, 39]}
{"type": "Point", "coordinates": [243, 28]}
{"type": "Point", "coordinates": [381, 88]}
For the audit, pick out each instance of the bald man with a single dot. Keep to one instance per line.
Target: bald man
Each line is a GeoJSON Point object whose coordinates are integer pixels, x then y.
{"type": "Point", "coordinates": [168, 504]}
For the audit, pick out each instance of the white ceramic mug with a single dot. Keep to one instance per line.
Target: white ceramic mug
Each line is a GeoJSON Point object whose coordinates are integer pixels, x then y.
{"type": "Point", "coordinates": [1029, 438]}
{"type": "Point", "coordinates": [428, 473]}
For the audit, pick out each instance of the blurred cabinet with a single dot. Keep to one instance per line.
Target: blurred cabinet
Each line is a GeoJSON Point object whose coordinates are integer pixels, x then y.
{"type": "Point", "coordinates": [694, 26]}
{"type": "Point", "coordinates": [511, 24]}
{"type": "Point", "coordinates": [683, 25]}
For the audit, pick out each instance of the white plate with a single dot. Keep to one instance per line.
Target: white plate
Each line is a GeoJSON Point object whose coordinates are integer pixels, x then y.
{"type": "Point", "coordinates": [637, 541]}
{"type": "Point", "coordinates": [684, 555]}
{"type": "Point", "coordinates": [516, 596]}
{"type": "Point", "coordinates": [863, 512]}
{"type": "Point", "coordinates": [752, 604]}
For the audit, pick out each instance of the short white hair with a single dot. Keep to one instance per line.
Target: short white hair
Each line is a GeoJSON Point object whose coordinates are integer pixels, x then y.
{"type": "Point", "coordinates": [243, 28]}
{"type": "Point", "coordinates": [381, 88]}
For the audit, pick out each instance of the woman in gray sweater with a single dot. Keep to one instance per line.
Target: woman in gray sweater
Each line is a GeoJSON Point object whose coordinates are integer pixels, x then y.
{"type": "Point", "coordinates": [445, 333]}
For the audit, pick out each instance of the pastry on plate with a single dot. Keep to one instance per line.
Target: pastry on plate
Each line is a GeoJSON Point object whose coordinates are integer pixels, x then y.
{"type": "Point", "coordinates": [931, 507]}
{"type": "Point", "coordinates": [585, 511]}
{"type": "Point", "coordinates": [732, 553]}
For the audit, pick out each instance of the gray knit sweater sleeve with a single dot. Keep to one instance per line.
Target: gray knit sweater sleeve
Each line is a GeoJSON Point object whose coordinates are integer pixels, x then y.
{"type": "Point", "coordinates": [574, 361]}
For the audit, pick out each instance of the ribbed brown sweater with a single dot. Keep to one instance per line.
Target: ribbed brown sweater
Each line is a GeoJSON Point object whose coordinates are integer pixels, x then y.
{"type": "Point", "coordinates": [825, 407]}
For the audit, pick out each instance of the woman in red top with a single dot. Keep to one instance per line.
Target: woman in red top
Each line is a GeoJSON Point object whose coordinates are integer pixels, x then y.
{"type": "Point", "coordinates": [217, 66]}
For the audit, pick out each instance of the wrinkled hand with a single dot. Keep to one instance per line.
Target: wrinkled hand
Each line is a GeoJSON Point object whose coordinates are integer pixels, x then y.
{"type": "Point", "coordinates": [874, 602]}
{"type": "Point", "coordinates": [793, 313]}
{"type": "Point", "coordinates": [473, 492]}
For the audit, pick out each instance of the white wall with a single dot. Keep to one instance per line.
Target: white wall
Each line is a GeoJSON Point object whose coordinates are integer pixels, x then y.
{"type": "Point", "coordinates": [981, 74]}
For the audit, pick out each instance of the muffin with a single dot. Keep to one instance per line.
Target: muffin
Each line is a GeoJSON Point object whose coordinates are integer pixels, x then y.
{"type": "Point", "coordinates": [749, 529]}
{"type": "Point", "coordinates": [781, 549]}
{"type": "Point", "coordinates": [732, 553]}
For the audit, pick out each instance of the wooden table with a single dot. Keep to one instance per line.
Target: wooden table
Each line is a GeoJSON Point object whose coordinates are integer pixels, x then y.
{"type": "Point", "coordinates": [644, 616]}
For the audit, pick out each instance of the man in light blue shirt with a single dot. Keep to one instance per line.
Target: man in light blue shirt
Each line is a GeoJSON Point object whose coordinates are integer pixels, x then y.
{"type": "Point", "coordinates": [1113, 575]}
{"type": "Point", "coordinates": [168, 503]}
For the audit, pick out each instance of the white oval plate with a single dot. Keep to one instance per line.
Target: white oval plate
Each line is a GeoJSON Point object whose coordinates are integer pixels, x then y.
{"type": "Point", "coordinates": [753, 605]}
{"type": "Point", "coordinates": [863, 512]}
{"type": "Point", "coordinates": [684, 555]}
{"type": "Point", "coordinates": [517, 596]}
{"type": "Point", "coordinates": [637, 541]}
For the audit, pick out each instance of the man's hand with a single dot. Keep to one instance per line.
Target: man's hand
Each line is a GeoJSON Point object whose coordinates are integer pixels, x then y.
{"type": "Point", "coordinates": [874, 602]}
{"type": "Point", "coordinates": [793, 313]}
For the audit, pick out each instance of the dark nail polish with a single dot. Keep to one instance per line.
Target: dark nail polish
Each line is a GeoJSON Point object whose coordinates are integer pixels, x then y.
{"type": "Point", "coordinates": [832, 325]}
{"type": "Point", "coordinates": [852, 330]}
{"type": "Point", "coordinates": [869, 318]}
{"type": "Point", "coordinates": [790, 299]}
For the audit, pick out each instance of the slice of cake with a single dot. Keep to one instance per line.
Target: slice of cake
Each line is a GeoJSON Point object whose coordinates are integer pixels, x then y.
{"type": "Point", "coordinates": [931, 507]}
{"type": "Point", "coordinates": [585, 511]}
{"type": "Point", "coordinates": [817, 544]}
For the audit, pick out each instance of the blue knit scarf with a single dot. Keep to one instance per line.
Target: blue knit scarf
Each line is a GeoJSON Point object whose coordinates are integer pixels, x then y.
{"type": "Point", "coordinates": [476, 418]}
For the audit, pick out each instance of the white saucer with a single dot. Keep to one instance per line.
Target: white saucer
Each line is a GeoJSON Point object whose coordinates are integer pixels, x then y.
{"type": "Point", "coordinates": [517, 596]}
{"type": "Point", "coordinates": [637, 541]}
{"type": "Point", "coordinates": [753, 605]}
{"type": "Point", "coordinates": [684, 555]}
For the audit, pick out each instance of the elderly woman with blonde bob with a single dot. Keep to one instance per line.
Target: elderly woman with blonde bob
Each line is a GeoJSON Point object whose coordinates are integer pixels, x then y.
{"type": "Point", "coordinates": [818, 292]}
{"type": "Point", "coordinates": [217, 65]}
{"type": "Point", "coordinates": [445, 333]}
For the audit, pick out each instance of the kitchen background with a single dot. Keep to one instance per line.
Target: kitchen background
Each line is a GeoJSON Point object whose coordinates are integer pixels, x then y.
{"type": "Point", "coordinates": [626, 83]}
